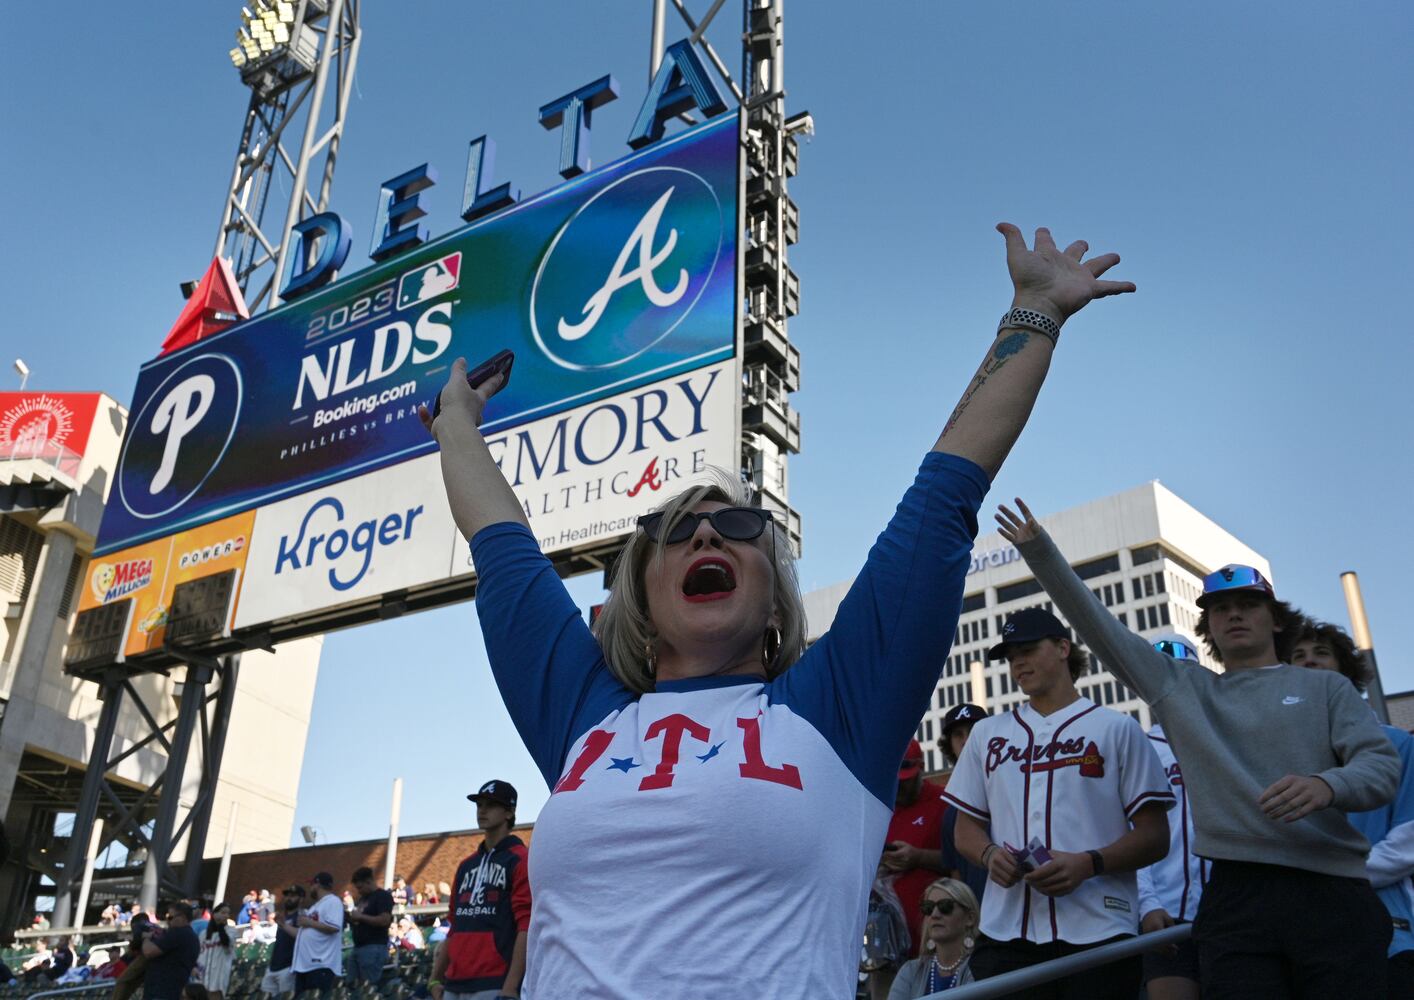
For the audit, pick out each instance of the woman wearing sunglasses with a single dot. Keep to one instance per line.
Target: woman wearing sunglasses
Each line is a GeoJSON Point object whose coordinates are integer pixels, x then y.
{"type": "Point", "coordinates": [950, 917]}
{"type": "Point", "coordinates": [721, 793]}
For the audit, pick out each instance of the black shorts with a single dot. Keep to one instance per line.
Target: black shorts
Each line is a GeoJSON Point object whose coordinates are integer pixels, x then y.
{"type": "Point", "coordinates": [315, 979]}
{"type": "Point", "coordinates": [1271, 931]}
{"type": "Point", "coordinates": [1183, 965]}
{"type": "Point", "coordinates": [1115, 981]}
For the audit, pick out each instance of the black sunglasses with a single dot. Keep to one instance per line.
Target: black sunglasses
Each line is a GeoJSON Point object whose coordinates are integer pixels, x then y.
{"type": "Point", "coordinates": [740, 524]}
{"type": "Point", "coordinates": [945, 907]}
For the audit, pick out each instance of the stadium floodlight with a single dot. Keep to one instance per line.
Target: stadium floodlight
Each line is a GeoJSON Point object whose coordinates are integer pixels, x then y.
{"type": "Point", "coordinates": [238, 57]}
{"type": "Point", "coordinates": [286, 12]}
{"type": "Point", "coordinates": [281, 33]}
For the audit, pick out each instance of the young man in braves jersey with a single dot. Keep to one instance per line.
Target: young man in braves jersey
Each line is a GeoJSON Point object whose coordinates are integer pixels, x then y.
{"type": "Point", "coordinates": [1275, 757]}
{"type": "Point", "coordinates": [1169, 889]}
{"type": "Point", "coordinates": [1079, 780]}
{"type": "Point", "coordinates": [483, 957]}
{"type": "Point", "coordinates": [1390, 828]}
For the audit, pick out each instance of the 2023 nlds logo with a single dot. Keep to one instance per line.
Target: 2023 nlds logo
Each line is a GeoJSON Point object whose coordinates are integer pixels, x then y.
{"type": "Point", "coordinates": [589, 312]}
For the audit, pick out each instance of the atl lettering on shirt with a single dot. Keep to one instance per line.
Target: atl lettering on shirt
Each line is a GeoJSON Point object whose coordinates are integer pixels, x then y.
{"type": "Point", "coordinates": [718, 836]}
{"type": "Point", "coordinates": [1073, 779]}
{"type": "Point", "coordinates": [490, 905]}
{"type": "Point", "coordinates": [1175, 882]}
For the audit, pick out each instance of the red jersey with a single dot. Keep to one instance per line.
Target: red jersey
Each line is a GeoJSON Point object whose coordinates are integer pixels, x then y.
{"type": "Point", "coordinates": [919, 825]}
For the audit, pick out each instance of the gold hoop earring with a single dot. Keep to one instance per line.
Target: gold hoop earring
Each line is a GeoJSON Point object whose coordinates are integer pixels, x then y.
{"type": "Point", "coordinates": [771, 647]}
{"type": "Point", "coordinates": [650, 656]}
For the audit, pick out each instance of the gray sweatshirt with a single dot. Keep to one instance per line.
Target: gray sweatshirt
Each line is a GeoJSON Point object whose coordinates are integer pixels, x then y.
{"type": "Point", "coordinates": [1235, 734]}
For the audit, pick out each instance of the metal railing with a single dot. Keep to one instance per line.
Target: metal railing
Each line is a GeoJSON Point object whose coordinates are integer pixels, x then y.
{"type": "Point", "coordinates": [1059, 968]}
{"type": "Point", "coordinates": [46, 451]}
{"type": "Point", "coordinates": [102, 986]}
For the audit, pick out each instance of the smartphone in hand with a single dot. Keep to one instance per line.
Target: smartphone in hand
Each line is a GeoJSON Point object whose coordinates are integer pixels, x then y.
{"type": "Point", "coordinates": [499, 364]}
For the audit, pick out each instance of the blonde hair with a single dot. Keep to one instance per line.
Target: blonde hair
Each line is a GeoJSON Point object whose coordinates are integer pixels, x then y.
{"type": "Point", "coordinates": [960, 893]}
{"type": "Point", "coordinates": [623, 627]}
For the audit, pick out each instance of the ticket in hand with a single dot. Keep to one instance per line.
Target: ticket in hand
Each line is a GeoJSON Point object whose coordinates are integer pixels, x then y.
{"type": "Point", "coordinates": [1040, 856]}
{"type": "Point", "coordinates": [1022, 858]}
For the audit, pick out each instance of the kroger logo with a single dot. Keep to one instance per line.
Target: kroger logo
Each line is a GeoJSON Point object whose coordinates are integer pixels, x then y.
{"type": "Point", "coordinates": [626, 269]}
{"type": "Point", "coordinates": [179, 436]}
{"type": "Point", "coordinates": [324, 540]}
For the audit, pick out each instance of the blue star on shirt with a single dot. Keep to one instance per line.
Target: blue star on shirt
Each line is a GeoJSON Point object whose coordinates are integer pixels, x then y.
{"type": "Point", "coordinates": [624, 764]}
{"type": "Point", "coordinates": [705, 757]}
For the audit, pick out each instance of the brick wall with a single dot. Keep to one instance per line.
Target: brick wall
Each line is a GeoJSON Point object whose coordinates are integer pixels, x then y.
{"type": "Point", "coordinates": [421, 859]}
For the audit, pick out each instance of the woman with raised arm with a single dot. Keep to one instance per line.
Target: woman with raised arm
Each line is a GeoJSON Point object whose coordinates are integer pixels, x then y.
{"type": "Point", "coordinates": [719, 793]}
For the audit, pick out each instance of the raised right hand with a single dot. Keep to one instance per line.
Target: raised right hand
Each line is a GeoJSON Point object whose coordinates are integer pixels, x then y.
{"type": "Point", "coordinates": [1018, 529]}
{"type": "Point", "coordinates": [460, 402]}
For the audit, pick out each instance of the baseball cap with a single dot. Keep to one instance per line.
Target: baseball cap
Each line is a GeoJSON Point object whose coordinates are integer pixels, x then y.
{"type": "Point", "coordinates": [1028, 625]}
{"type": "Point", "coordinates": [1177, 645]}
{"type": "Point", "coordinates": [912, 762]}
{"type": "Point", "coordinates": [324, 879]}
{"type": "Point", "coordinates": [1234, 576]}
{"type": "Point", "coordinates": [960, 715]}
{"type": "Point", "coordinates": [500, 792]}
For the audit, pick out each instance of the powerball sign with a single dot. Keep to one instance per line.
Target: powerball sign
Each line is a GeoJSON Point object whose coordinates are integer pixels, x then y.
{"type": "Point", "coordinates": [620, 279]}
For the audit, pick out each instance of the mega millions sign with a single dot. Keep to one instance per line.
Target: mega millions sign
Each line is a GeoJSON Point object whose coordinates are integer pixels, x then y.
{"type": "Point", "coordinates": [296, 433]}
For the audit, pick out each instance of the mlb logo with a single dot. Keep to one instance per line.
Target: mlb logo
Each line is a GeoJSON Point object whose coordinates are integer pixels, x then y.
{"type": "Point", "coordinates": [429, 280]}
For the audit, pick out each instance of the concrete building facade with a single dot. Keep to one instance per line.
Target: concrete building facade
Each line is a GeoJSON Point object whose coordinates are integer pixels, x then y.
{"type": "Point", "coordinates": [1143, 552]}
{"type": "Point", "coordinates": [58, 452]}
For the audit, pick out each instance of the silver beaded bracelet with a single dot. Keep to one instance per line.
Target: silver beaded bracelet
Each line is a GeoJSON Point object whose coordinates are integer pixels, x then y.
{"type": "Point", "coordinates": [1029, 319]}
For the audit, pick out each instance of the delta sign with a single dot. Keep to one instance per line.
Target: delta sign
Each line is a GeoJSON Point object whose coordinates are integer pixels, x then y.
{"type": "Point", "coordinates": [618, 291]}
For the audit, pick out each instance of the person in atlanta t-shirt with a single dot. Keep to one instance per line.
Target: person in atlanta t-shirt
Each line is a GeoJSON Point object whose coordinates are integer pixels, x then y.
{"type": "Point", "coordinates": [484, 954]}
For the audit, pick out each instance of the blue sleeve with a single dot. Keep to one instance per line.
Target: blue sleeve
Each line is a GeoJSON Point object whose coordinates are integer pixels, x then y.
{"type": "Point", "coordinates": [949, 857]}
{"type": "Point", "coordinates": [548, 666]}
{"type": "Point", "coordinates": [865, 684]}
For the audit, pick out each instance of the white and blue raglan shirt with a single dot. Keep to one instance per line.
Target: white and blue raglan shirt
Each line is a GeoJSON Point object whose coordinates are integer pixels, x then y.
{"type": "Point", "coordinates": [717, 837]}
{"type": "Point", "coordinates": [1390, 830]}
{"type": "Point", "coordinates": [1175, 882]}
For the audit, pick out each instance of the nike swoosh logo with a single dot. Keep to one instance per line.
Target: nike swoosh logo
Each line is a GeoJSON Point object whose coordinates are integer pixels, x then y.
{"type": "Point", "coordinates": [1291, 699]}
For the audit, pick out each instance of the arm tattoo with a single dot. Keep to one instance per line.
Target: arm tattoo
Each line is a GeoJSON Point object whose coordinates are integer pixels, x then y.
{"type": "Point", "coordinates": [1006, 348]}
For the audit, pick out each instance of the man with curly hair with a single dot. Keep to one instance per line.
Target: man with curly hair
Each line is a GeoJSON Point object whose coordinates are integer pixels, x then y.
{"type": "Point", "coordinates": [1390, 828]}
{"type": "Point", "coordinates": [1275, 757]}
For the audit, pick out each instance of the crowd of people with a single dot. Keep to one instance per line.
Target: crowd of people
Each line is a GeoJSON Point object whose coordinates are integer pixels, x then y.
{"type": "Point", "coordinates": [698, 753]}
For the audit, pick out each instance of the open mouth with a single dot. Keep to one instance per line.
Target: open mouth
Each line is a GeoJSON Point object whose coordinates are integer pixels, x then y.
{"type": "Point", "coordinates": [709, 579]}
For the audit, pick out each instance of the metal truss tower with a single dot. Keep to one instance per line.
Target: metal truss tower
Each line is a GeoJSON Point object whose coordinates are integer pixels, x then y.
{"type": "Point", "coordinates": [289, 54]}
{"type": "Point", "coordinates": [771, 365]}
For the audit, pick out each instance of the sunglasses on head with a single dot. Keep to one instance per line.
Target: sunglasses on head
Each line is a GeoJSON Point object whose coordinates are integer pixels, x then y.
{"type": "Point", "coordinates": [944, 907]}
{"type": "Point", "coordinates": [740, 524]}
{"type": "Point", "coordinates": [1178, 650]}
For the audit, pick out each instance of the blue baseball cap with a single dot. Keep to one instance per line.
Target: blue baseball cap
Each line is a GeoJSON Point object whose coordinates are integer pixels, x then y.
{"type": "Point", "coordinates": [1027, 625]}
{"type": "Point", "coordinates": [1234, 577]}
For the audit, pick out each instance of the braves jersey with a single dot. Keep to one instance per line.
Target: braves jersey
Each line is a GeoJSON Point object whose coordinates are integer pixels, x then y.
{"type": "Point", "coordinates": [1074, 779]}
{"type": "Point", "coordinates": [1175, 882]}
{"type": "Point", "coordinates": [717, 837]}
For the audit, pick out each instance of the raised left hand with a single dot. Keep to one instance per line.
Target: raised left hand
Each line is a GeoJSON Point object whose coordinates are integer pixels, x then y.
{"type": "Point", "coordinates": [1063, 875]}
{"type": "Point", "coordinates": [1295, 796]}
{"type": "Point", "coordinates": [1058, 284]}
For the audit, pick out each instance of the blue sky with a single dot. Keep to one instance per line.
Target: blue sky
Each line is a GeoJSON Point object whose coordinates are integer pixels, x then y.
{"type": "Point", "coordinates": [1250, 161]}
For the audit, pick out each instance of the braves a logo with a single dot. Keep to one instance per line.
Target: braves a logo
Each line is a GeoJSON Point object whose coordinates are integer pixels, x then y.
{"type": "Point", "coordinates": [1175, 776]}
{"type": "Point", "coordinates": [1036, 759]}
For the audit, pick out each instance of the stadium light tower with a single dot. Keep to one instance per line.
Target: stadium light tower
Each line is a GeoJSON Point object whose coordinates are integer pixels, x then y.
{"type": "Point", "coordinates": [286, 52]}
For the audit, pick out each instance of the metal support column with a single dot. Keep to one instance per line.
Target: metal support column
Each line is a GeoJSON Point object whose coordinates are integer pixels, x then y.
{"type": "Point", "coordinates": [213, 747]}
{"type": "Point", "coordinates": [162, 840]}
{"type": "Point", "coordinates": [111, 692]}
